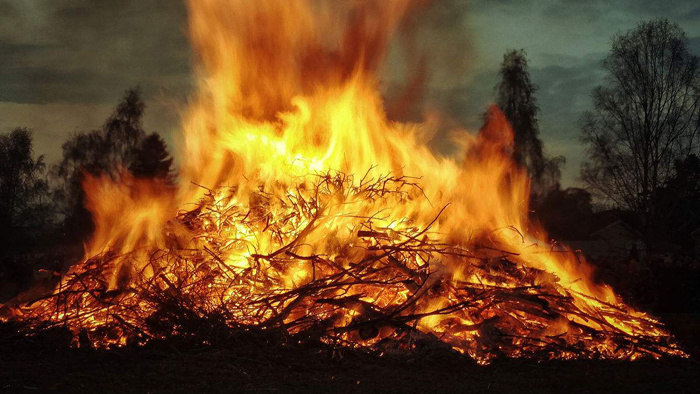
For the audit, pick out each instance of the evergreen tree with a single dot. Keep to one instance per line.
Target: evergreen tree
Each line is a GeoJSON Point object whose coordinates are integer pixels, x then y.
{"type": "Point", "coordinates": [121, 144]}
{"type": "Point", "coordinates": [516, 98]}
{"type": "Point", "coordinates": [123, 131]}
{"type": "Point", "coordinates": [152, 160]}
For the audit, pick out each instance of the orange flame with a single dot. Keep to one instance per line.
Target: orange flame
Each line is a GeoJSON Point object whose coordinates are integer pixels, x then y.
{"type": "Point", "coordinates": [289, 92]}
{"type": "Point", "coordinates": [281, 98]}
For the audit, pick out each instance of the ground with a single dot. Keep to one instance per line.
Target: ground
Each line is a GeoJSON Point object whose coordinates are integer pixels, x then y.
{"type": "Point", "coordinates": [35, 366]}
{"type": "Point", "coordinates": [214, 371]}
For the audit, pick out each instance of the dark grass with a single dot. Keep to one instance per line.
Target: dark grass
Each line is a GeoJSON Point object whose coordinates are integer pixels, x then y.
{"type": "Point", "coordinates": [256, 363]}
{"type": "Point", "coordinates": [174, 370]}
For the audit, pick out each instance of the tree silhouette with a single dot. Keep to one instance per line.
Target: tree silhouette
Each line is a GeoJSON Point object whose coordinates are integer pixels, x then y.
{"type": "Point", "coordinates": [105, 151]}
{"type": "Point", "coordinates": [123, 131]}
{"type": "Point", "coordinates": [152, 160]}
{"type": "Point", "coordinates": [24, 210]}
{"type": "Point", "coordinates": [120, 145]}
{"type": "Point", "coordinates": [679, 200]}
{"type": "Point", "coordinates": [567, 213]}
{"type": "Point", "coordinates": [516, 98]}
{"type": "Point", "coordinates": [645, 118]}
{"type": "Point", "coordinates": [22, 185]}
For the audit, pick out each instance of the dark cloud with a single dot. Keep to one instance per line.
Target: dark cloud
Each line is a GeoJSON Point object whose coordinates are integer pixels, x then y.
{"type": "Point", "coordinates": [70, 60]}
{"type": "Point", "coordinates": [588, 11]}
{"type": "Point", "coordinates": [693, 15]}
{"type": "Point", "coordinates": [564, 92]}
{"type": "Point", "coordinates": [634, 8]}
{"type": "Point", "coordinates": [679, 10]}
{"type": "Point", "coordinates": [564, 95]}
{"type": "Point", "coordinates": [694, 45]}
{"type": "Point", "coordinates": [86, 51]}
{"type": "Point", "coordinates": [7, 10]}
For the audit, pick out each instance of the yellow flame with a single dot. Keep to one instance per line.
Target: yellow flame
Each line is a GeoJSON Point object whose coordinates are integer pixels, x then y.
{"type": "Point", "coordinates": [289, 90]}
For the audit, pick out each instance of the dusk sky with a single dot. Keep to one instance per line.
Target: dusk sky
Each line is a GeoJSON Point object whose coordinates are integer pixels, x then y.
{"type": "Point", "coordinates": [65, 63]}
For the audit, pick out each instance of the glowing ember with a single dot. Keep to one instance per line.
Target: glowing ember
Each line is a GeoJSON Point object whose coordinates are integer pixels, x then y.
{"type": "Point", "coordinates": [302, 207]}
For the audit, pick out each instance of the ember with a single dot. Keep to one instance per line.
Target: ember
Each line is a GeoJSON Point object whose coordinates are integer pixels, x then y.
{"type": "Point", "coordinates": [302, 208]}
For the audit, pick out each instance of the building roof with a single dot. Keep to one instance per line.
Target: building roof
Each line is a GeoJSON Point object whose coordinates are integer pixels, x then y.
{"type": "Point", "coordinates": [617, 223]}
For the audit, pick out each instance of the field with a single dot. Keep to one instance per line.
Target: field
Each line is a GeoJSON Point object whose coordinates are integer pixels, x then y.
{"type": "Point", "coordinates": [250, 364]}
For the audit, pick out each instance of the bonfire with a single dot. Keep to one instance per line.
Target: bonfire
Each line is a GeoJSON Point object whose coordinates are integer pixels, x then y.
{"type": "Point", "coordinates": [303, 210]}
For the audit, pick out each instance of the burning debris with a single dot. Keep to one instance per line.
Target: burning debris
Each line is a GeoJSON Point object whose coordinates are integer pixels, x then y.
{"type": "Point", "coordinates": [383, 287]}
{"type": "Point", "coordinates": [279, 225]}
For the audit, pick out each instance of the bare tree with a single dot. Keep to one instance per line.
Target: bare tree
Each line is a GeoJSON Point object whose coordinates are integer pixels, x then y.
{"type": "Point", "coordinates": [645, 117]}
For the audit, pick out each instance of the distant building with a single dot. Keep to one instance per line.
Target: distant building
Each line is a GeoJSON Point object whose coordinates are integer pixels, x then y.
{"type": "Point", "coordinates": [613, 241]}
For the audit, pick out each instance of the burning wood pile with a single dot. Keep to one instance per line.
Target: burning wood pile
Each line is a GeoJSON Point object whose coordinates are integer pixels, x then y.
{"type": "Point", "coordinates": [386, 288]}
{"type": "Point", "coordinates": [278, 224]}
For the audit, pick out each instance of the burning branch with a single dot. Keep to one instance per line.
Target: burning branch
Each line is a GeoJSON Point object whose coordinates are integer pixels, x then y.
{"type": "Point", "coordinates": [374, 286]}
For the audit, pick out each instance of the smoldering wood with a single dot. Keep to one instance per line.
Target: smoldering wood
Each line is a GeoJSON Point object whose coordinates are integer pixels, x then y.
{"type": "Point", "coordinates": [188, 289]}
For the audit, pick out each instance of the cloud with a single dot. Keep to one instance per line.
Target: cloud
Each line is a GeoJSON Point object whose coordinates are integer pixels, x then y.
{"type": "Point", "coordinates": [694, 45]}
{"type": "Point", "coordinates": [66, 63]}
{"type": "Point", "coordinates": [87, 51]}
{"type": "Point", "coordinates": [564, 95]}
{"type": "Point", "coordinates": [69, 61]}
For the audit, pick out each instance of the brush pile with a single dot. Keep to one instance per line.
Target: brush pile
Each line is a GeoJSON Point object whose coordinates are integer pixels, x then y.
{"type": "Point", "coordinates": [270, 263]}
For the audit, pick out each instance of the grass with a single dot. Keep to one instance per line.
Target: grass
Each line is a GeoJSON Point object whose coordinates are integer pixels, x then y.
{"type": "Point", "coordinates": [168, 367]}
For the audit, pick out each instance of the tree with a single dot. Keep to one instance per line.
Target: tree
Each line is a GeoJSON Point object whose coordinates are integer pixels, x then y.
{"type": "Point", "coordinates": [645, 117]}
{"type": "Point", "coordinates": [121, 144]}
{"type": "Point", "coordinates": [86, 152]}
{"type": "Point", "coordinates": [516, 98]}
{"type": "Point", "coordinates": [567, 213]}
{"type": "Point", "coordinates": [22, 184]}
{"type": "Point", "coordinates": [679, 200]}
{"type": "Point", "coordinates": [24, 210]}
{"type": "Point", "coordinates": [104, 151]}
{"type": "Point", "coordinates": [152, 160]}
{"type": "Point", "coordinates": [123, 131]}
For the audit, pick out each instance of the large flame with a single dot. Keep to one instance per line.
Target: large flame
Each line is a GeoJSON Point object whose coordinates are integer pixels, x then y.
{"type": "Point", "coordinates": [289, 103]}
{"type": "Point", "coordinates": [289, 90]}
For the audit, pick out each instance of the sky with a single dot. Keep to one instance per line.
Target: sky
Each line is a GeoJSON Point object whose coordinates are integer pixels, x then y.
{"type": "Point", "coordinates": [64, 64]}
